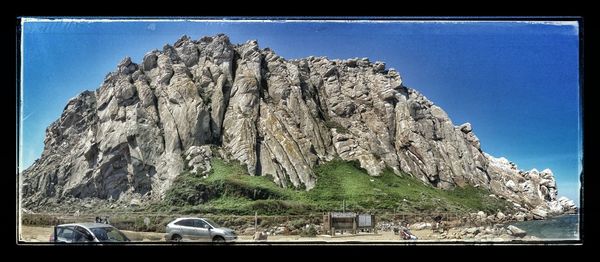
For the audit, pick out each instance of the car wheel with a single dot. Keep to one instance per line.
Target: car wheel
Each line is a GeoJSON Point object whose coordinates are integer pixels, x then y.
{"type": "Point", "coordinates": [218, 239]}
{"type": "Point", "coordinates": [176, 238]}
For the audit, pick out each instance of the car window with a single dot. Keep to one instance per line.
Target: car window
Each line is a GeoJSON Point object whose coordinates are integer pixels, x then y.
{"type": "Point", "coordinates": [109, 234]}
{"type": "Point", "coordinates": [199, 223]}
{"type": "Point", "coordinates": [100, 234]}
{"type": "Point", "coordinates": [64, 234]}
{"type": "Point", "coordinates": [80, 234]}
{"type": "Point", "coordinates": [213, 223]}
{"type": "Point", "coordinates": [185, 222]}
{"type": "Point", "coordinates": [114, 234]}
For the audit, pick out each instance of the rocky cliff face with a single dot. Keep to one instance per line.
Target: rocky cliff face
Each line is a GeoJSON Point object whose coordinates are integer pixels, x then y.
{"type": "Point", "coordinates": [281, 118]}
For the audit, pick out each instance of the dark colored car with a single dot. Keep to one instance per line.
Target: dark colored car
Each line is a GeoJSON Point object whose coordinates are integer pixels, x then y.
{"type": "Point", "coordinates": [86, 233]}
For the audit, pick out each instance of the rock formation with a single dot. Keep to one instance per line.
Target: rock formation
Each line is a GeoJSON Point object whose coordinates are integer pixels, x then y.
{"type": "Point", "coordinates": [280, 118]}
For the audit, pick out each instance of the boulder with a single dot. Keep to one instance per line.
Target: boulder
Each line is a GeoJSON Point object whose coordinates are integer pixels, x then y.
{"type": "Point", "coordinates": [466, 128]}
{"type": "Point", "coordinates": [520, 217]}
{"type": "Point", "coordinates": [555, 207]}
{"type": "Point", "coordinates": [472, 230]}
{"type": "Point", "coordinates": [421, 226]}
{"type": "Point", "coordinates": [511, 185]}
{"type": "Point", "coordinates": [500, 216]}
{"type": "Point", "coordinates": [279, 230]}
{"type": "Point", "coordinates": [260, 236]}
{"type": "Point", "coordinates": [481, 215]}
{"type": "Point", "coordinates": [539, 213]}
{"type": "Point", "coordinates": [198, 159]}
{"type": "Point", "coordinates": [515, 231]}
{"type": "Point", "coordinates": [567, 205]}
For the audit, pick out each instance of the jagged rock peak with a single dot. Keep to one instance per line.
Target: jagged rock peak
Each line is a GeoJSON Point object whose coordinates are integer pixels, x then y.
{"type": "Point", "coordinates": [280, 118]}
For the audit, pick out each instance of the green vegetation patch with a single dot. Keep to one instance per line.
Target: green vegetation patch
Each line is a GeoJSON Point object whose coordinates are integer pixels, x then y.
{"type": "Point", "coordinates": [229, 189]}
{"type": "Point", "coordinates": [333, 124]}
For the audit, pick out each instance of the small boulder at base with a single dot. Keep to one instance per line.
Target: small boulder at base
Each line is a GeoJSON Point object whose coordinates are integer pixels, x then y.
{"type": "Point", "coordinates": [500, 216]}
{"type": "Point", "coordinates": [515, 231]}
{"type": "Point", "coordinates": [260, 236]}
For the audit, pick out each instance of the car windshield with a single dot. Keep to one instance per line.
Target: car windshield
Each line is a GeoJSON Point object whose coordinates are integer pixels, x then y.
{"type": "Point", "coordinates": [109, 234]}
{"type": "Point", "coordinates": [212, 223]}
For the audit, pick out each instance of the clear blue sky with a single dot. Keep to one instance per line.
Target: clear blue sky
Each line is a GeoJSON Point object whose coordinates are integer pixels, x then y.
{"type": "Point", "coordinates": [516, 83]}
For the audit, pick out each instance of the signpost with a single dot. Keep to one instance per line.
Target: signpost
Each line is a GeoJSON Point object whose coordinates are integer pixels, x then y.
{"type": "Point", "coordinates": [348, 221]}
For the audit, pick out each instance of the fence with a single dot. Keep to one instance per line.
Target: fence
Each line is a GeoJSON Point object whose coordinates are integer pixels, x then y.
{"type": "Point", "coordinates": [156, 221]}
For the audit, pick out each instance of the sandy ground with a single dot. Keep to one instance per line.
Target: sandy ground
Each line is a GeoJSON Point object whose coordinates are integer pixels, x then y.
{"type": "Point", "coordinates": [42, 234]}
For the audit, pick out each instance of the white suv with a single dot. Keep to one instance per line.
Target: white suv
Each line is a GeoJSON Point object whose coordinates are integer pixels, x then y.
{"type": "Point", "coordinates": [198, 229]}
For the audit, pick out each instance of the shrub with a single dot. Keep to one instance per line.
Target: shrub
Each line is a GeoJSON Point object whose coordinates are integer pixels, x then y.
{"type": "Point", "coordinates": [40, 220]}
{"type": "Point", "coordinates": [311, 231]}
{"type": "Point", "coordinates": [298, 223]}
{"type": "Point", "coordinates": [333, 124]}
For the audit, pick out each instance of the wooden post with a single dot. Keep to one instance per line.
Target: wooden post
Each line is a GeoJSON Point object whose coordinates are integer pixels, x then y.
{"type": "Point", "coordinates": [255, 221]}
{"type": "Point", "coordinates": [330, 223]}
{"type": "Point", "coordinates": [374, 224]}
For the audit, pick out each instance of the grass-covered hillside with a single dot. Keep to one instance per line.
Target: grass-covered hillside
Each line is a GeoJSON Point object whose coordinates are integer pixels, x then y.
{"type": "Point", "coordinates": [230, 190]}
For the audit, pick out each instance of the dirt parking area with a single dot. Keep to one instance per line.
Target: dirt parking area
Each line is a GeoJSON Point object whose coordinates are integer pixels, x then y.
{"type": "Point", "coordinates": [42, 234]}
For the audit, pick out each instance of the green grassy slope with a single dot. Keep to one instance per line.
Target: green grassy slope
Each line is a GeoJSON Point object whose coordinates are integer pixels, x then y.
{"type": "Point", "coordinates": [230, 190]}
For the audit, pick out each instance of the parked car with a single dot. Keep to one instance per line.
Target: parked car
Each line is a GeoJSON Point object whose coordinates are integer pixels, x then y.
{"type": "Point", "coordinates": [198, 229]}
{"type": "Point", "coordinates": [87, 232]}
